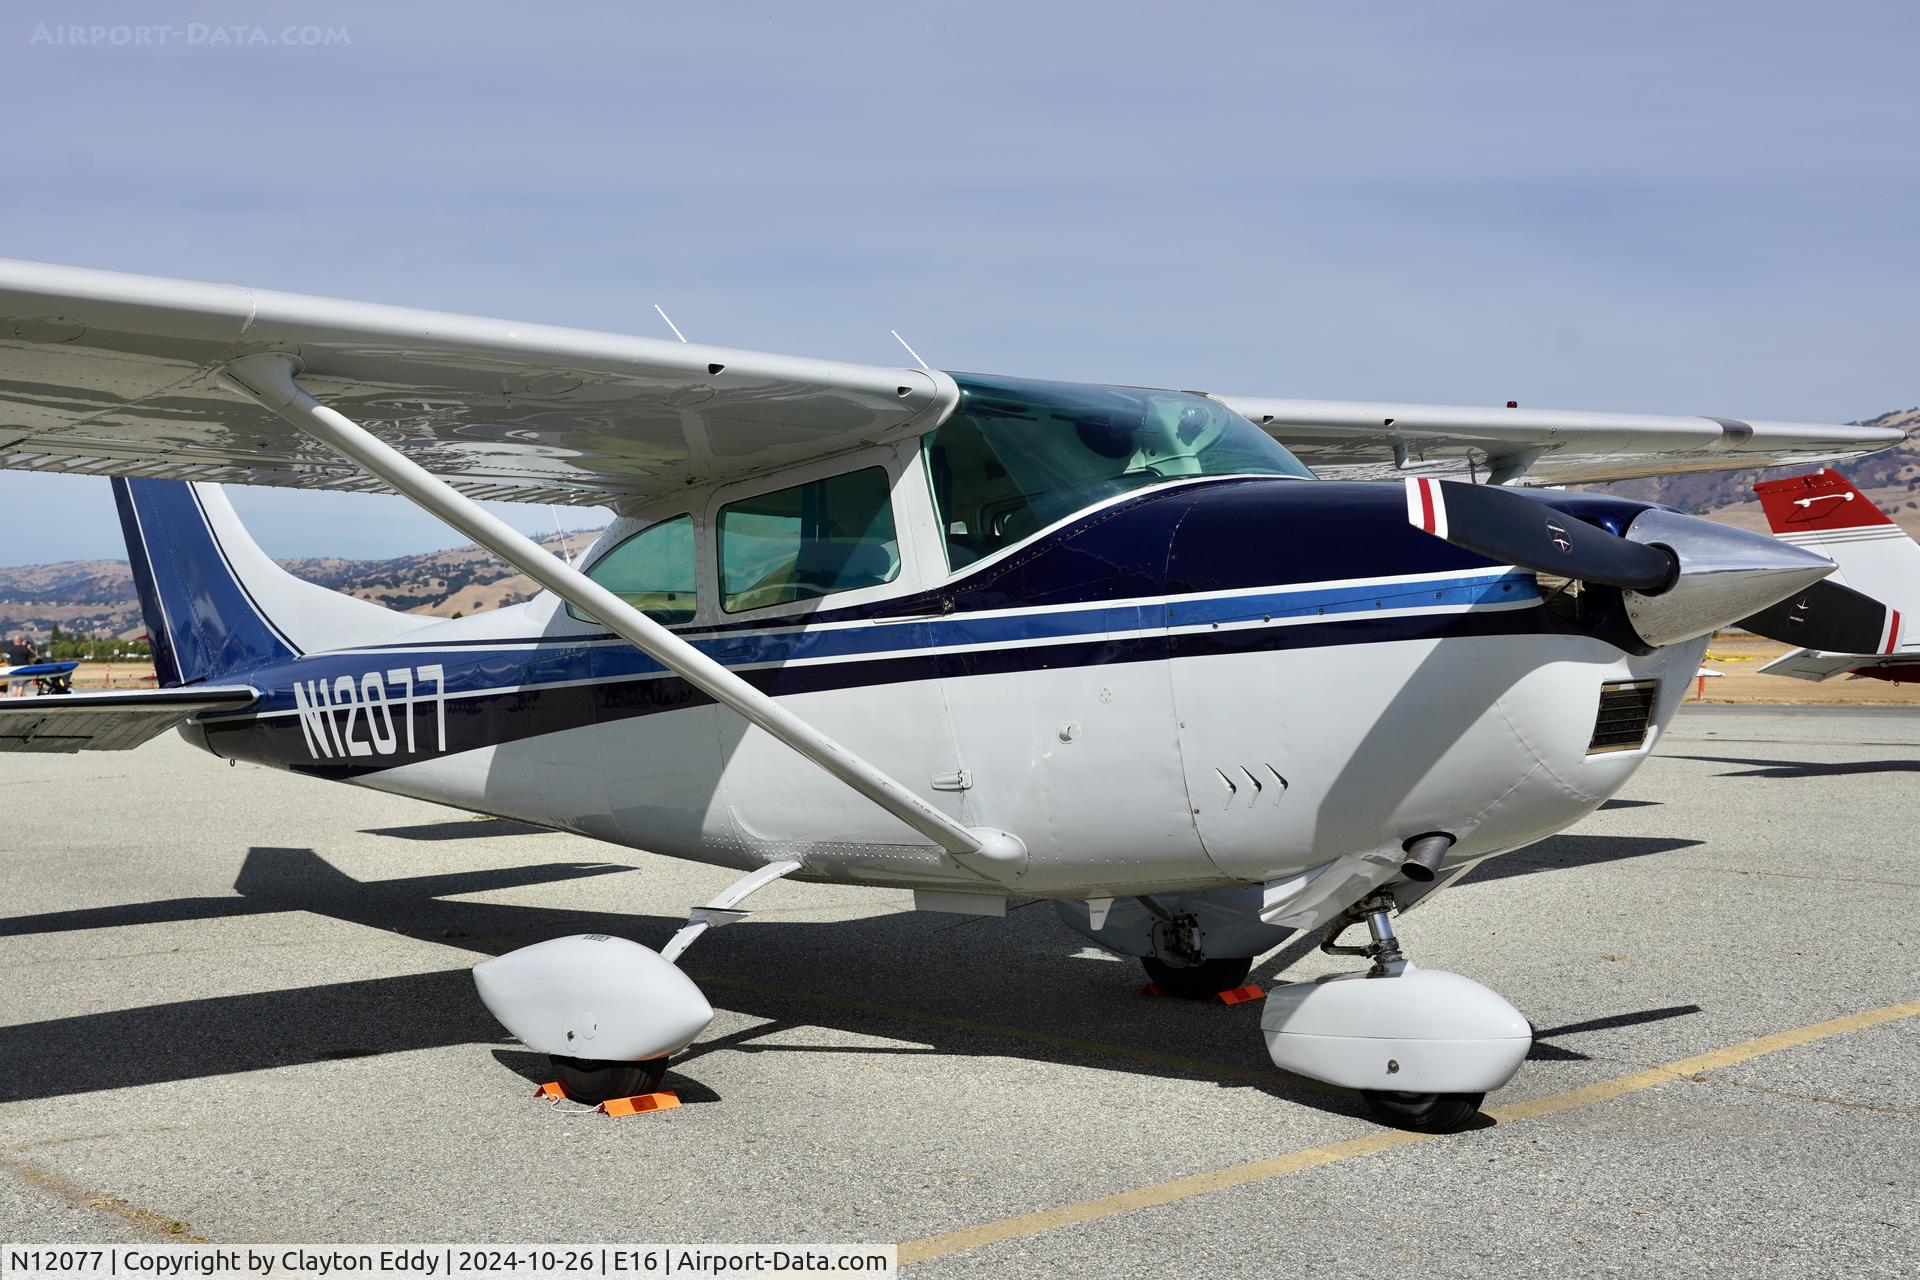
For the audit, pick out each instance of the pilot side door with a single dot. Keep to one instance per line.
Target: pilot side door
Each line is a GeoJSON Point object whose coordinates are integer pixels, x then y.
{"type": "Point", "coordinates": [807, 560]}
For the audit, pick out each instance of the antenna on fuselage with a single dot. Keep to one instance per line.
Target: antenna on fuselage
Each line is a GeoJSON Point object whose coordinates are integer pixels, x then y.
{"type": "Point", "coordinates": [670, 324]}
{"type": "Point", "coordinates": [910, 351]}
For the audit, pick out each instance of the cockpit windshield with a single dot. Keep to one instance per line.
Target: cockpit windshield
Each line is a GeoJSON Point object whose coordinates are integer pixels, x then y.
{"type": "Point", "coordinates": [1017, 455]}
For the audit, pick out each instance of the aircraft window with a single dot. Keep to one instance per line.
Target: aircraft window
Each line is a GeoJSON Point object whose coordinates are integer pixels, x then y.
{"type": "Point", "coordinates": [1018, 455]}
{"type": "Point", "coordinates": [811, 540]}
{"type": "Point", "coordinates": [653, 571]}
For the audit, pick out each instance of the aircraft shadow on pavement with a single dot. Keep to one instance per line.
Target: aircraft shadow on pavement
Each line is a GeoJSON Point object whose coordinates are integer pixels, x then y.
{"type": "Point", "coordinates": [868, 977]}
{"type": "Point", "coordinates": [1544, 1050]}
{"type": "Point", "coordinates": [1807, 768]}
{"type": "Point", "coordinates": [1561, 853]}
{"type": "Point", "coordinates": [460, 829]}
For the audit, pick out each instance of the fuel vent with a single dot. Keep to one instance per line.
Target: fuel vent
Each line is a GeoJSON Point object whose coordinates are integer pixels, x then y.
{"type": "Point", "coordinates": [1626, 711]}
{"type": "Point", "coordinates": [1249, 784]}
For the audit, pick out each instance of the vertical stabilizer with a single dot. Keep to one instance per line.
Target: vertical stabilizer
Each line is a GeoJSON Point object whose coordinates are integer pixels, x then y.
{"type": "Point", "coordinates": [213, 601]}
{"type": "Point", "coordinates": [1823, 512]}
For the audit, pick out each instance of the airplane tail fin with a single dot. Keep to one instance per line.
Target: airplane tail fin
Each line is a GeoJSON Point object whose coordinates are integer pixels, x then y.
{"type": "Point", "coordinates": [213, 601]}
{"type": "Point", "coordinates": [1823, 512]}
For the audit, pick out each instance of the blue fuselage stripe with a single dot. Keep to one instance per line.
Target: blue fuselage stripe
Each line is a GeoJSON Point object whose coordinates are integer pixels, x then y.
{"type": "Point", "coordinates": [556, 660]}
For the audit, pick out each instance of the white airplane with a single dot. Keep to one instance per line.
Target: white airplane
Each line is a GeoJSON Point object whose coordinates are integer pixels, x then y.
{"type": "Point", "coordinates": [966, 635]}
{"type": "Point", "coordinates": [1823, 512]}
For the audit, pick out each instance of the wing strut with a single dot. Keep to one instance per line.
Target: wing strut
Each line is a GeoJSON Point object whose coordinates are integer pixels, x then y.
{"type": "Point", "coordinates": [724, 909]}
{"type": "Point", "coordinates": [268, 379]}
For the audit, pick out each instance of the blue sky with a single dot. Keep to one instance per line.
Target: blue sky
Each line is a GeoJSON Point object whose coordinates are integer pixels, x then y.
{"type": "Point", "coordinates": [1688, 208]}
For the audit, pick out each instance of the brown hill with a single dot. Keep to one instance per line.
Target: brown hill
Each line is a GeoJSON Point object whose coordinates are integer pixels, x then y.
{"type": "Point", "coordinates": [1891, 478]}
{"type": "Point", "coordinates": [96, 597]}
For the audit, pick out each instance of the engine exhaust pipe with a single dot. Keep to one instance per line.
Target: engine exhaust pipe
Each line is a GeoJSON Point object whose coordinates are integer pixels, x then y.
{"type": "Point", "coordinates": [1424, 854]}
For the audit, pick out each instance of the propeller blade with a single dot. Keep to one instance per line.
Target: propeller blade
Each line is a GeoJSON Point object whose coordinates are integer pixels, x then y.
{"type": "Point", "coordinates": [1830, 618]}
{"type": "Point", "coordinates": [1514, 529]}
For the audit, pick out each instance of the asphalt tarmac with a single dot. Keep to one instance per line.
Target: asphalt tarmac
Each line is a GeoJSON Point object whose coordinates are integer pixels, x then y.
{"type": "Point", "coordinates": [236, 1008]}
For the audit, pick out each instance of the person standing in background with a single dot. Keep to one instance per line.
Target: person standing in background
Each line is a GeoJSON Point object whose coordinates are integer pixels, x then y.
{"type": "Point", "coordinates": [20, 653]}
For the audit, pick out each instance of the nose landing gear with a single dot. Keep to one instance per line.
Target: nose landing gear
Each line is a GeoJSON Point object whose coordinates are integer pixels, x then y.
{"type": "Point", "coordinates": [1384, 950]}
{"type": "Point", "coordinates": [1422, 1047]}
{"type": "Point", "coordinates": [1424, 1112]}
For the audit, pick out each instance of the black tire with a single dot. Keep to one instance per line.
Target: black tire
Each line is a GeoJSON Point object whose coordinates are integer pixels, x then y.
{"type": "Point", "coordinates": [593, 1082]}
{"type": "Point", "coordinates": [1424, 1112]}
{"type": "Point", "coordinates": [1199, 981]}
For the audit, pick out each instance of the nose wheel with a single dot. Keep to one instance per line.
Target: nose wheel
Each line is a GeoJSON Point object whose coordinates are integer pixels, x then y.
{"type": "Point", "coordinates": [1424, 1112]}
{"type": "Point", "coordinates": [1420, 1112]}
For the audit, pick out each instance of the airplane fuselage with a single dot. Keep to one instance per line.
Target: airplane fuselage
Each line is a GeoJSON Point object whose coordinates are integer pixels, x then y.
{"type": "Point", "coordinates": [1205, 684]}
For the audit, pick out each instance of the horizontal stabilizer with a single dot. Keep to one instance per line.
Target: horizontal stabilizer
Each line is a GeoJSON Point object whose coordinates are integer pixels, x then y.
{"type": "Point", "coordinates": [1807, 664]}
{"type": "Point", "coordinates": [117, 721]}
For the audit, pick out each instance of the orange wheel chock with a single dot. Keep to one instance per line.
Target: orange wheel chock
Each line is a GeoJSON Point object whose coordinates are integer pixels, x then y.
{"type": "Point", "coordinates": [665, 1100]}
{"type": "Point", "coordinates": [551, 1091]}
{"type": "Point", "coordinates": [1239, 995]}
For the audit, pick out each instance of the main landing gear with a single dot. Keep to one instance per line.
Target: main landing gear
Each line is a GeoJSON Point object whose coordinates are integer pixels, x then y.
{"type": "Point", "coordinates": [592, 1081]}
{"type": "Point", "coordinates": [1179, 967]}
{"type": "Point", "coordinates": [1201, 980]}
{"type": "Point", "coordinates": [630, 1006]}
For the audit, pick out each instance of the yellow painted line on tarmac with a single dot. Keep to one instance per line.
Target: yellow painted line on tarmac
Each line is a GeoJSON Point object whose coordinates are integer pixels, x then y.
{"type": "Point", "coordinates": [1067, 1215]}
{"type": "Point", "coordinates": [1718, 1060]}
{"type": "Point", "coordinates": [145, 1219]}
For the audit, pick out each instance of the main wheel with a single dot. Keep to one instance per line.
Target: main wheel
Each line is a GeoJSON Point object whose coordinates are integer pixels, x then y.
{"type": "Point", "coordinates": [1198, 981]}
{"type": "Point", "coordinates": [593, 1082]}
{"type": "Point", "coordinates": [1424, 1112]}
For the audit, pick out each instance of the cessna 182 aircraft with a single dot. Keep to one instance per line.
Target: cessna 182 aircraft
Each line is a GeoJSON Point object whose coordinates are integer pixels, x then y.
{"type": "Point", "coordinates": [973, 636]}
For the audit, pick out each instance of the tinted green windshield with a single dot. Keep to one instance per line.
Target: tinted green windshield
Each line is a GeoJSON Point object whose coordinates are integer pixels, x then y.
{"type": "Point", "coordinates": [1018, 455]}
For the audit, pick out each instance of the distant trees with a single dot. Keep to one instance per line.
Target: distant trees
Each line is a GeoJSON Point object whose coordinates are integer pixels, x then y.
{"type": "Point", "coordinates": [68, 646]}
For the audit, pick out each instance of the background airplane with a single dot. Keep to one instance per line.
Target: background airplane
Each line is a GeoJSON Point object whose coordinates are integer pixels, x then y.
{"type": "Point", "coordinates": [1824, 512]}
{"type": "Point", "coordinates": [42, 677]}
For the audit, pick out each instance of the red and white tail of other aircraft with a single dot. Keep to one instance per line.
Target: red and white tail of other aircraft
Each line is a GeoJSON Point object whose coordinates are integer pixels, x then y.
{"type": "Point", "coordinates": [1823, 512]}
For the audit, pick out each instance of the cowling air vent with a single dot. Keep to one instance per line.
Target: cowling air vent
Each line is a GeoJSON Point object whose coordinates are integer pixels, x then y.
{"type": "Point", "coordinates": [1626, 709]}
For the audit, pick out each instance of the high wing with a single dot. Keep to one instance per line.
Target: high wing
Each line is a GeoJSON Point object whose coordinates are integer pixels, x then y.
{"type": "Point", "coordinates": [114, 374]}
{"type": "Point", "coordinates": [117, 721]}
{"type": "Point", "coordinates": [1357, 440]}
